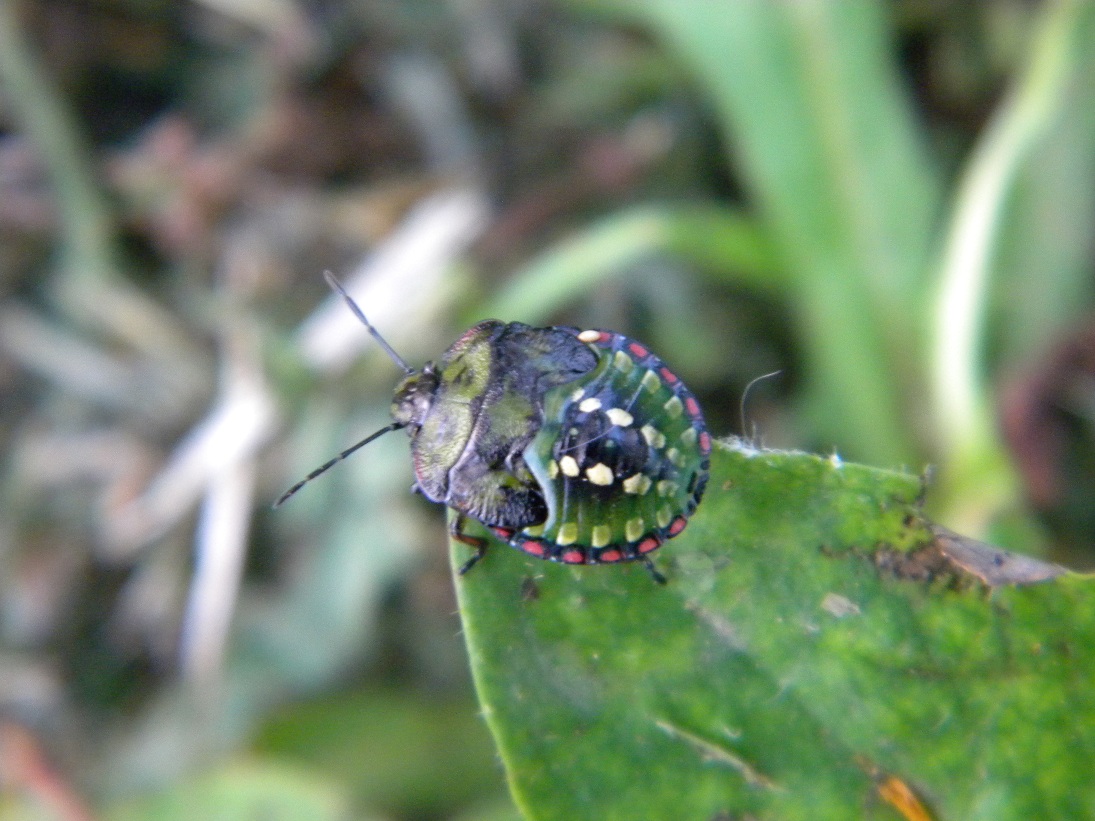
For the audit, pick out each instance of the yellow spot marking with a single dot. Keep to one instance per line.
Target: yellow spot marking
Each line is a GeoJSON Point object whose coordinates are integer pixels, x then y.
{"type": "Point", "coordinates": [667, 488]}
{"type": "Point", "coordinates": [634, 529]}
{"type": "Point", "coordinates": [654, 437]}
{"type": "Point", "coordinates": [602, 535]}
{"type": "Point", "coordinates": [623, 362]}
{"type": "Point", "coordinates": [589, 336]}
{"type": "Point", "coordinates": [674, 407]}
{"type": "Point", "coordinates": [589, 405]}
{"type": "Point", "coordinates": [618, 416]}
{"type": "Point", "coordinates": [553, 469]}
{"type": "Point", "coordinates": [569, 466]}
{"type": "Point", "coordinates": [689, 436]}
{"type": "Point", "coordinates": [568, 533]}
{"type": "Point", "coordinates": [664, 516]}
{"type": "Point", "coordinates": [637, 484]}
{"type": "Point", "coordinates": [600, 474]}
{"type": "Point", "coordinates": [534, 530]}
{"type": "Point", "coordinates": [651, 381]}
{"type": "Point", "coordinates": [674, 456]}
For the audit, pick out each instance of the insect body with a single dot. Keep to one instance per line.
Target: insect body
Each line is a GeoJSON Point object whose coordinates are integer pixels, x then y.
{"type": "Point", "coordinates": [576, 446]}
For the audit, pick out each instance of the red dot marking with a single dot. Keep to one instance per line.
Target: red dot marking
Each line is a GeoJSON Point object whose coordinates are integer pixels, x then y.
{"type": "Point", "coordinates": [638, 350]}
{"type": "Point", "coordinates": [705, 443]}
{"type": "Point", "coordinates": [693, 406]}
{"type": "Point", "coordinates": [677, 525]}
{"type": "Point", "coordinates": [648, 544]}
{"type": "Point", "coordinates": [503, 533]}
{"type": "Point", "coordinates": [668, 375]}
{"type": "Point", "coordinates": [611, 555]}
{"type": "Point", "coordinates": [573, 557]}
{"type": "Point", "coordinates": [533, 548]}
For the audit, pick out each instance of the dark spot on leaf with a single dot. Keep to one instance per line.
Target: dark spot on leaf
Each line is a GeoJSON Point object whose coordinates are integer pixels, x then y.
{"type": "Point", "coordinates": [530, 590]}
{"type": "Point", "coordinates": [925, 564]}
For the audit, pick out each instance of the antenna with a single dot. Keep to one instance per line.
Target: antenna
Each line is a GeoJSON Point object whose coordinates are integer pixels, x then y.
{"type": "Point", "coordinates": [328, 465]}
{"type": "Point", "coordinates": [745, 395]}
{"type": "Point", "coordinates": [336, 286]}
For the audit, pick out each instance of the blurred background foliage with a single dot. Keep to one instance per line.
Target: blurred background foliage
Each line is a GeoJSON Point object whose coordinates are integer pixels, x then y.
{"type": "Point", "coordinates": [890, 203]}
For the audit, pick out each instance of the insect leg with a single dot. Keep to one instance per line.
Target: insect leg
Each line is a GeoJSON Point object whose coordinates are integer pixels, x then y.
{"type": "Point", "coordinates": [654, 574]}
{"type": "Point", "coordinates": [456, 530]}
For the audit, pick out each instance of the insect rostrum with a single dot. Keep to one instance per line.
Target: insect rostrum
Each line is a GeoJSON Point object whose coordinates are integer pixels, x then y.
{"type": "Point", "coordinates": [576, 446]}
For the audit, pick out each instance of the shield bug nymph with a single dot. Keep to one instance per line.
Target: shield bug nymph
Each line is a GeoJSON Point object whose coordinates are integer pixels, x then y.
{"type": "Point", "coordinates": [578, 446]}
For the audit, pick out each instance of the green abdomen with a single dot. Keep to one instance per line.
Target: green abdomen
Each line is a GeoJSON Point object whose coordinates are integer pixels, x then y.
{"type": "Point", "coordinates": [622, 458]}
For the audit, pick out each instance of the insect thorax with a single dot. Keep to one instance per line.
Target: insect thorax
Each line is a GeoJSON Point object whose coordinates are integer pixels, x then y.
{"type": "Point", "coordinates": [472, 418]}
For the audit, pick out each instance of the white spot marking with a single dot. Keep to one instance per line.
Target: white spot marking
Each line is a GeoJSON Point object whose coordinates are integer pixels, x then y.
{"type": "Point", "coordinates": [589, 405]}
{"type": "Point", "coordinates": [569, 466]}
{"type": "Point", "coordinates": [618, 416]}
{"type": "Point", "coordinates": [600, 474]}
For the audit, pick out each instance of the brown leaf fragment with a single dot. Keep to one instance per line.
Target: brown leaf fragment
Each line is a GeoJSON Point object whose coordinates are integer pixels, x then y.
{"type": "Point", "coordinates": [993, 566]}
{"type": "Point", "coordinates": [900, 796]}
{"type": "Point", "coordinates": [896, 792]}
{"type": "Point", "coordinates": [960, 560]}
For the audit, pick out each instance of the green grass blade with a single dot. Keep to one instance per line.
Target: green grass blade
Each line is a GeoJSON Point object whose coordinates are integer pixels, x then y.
{"type": "Point", "coordinates": [974, 467]}
{"type": "Point", "coordinates": [819, 126]}
{"type": "Point", "coordinates": [716, 240]}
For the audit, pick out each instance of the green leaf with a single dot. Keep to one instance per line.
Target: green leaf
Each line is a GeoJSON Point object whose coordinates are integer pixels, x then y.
{"type": "Point", "coordinates": [818, 652]}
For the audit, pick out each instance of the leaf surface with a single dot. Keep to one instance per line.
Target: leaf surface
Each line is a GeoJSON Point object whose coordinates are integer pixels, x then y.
{"type": "Point", "coordinates": [820, 651]}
